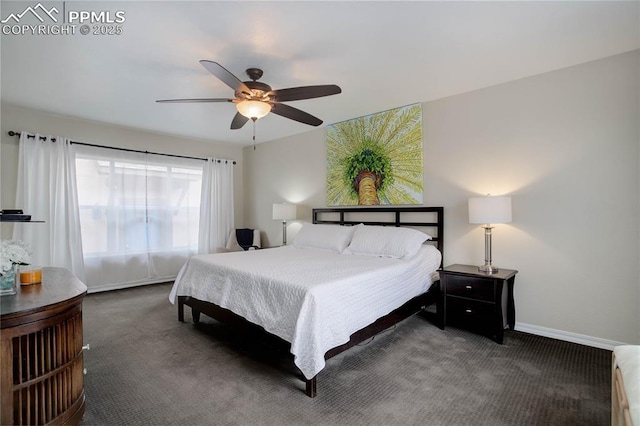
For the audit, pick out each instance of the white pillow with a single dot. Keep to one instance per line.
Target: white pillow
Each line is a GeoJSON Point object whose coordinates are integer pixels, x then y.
{"type": "Point", "coordinates": [326, 237]}
{"type": "Point", "coordinates": [386, 241]}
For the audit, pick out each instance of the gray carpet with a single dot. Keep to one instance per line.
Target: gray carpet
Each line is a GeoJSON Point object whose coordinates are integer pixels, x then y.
{"type": "Point", "coordinates": [147, 368]}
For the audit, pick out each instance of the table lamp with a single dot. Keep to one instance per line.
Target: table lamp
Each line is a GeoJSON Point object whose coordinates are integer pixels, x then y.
{"type": "Point", "coordinates": [284, 212]}
{"type": "Point", "coordinates": [489, 210]}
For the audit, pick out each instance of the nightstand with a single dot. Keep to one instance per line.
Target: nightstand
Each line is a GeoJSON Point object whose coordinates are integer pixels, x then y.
{"type": "Point", "coordinates": [477, 299]}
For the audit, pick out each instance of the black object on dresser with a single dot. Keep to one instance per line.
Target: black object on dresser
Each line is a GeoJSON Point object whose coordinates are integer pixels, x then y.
{"type": "Point", "coordinates": [477, 299]}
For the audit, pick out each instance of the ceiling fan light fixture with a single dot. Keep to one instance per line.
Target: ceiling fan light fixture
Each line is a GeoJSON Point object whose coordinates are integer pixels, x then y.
{"type": "Point", "coordinates": [253, 109]}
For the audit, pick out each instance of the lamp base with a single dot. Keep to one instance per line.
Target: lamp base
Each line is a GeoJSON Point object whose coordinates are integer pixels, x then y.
{"type": "Point", "coordinates": [284, 232]}
{"type": "Point", "coordinates": [487, 269]}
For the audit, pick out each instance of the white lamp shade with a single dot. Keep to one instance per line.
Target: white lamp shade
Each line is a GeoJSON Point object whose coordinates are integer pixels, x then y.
{"type": "Point", "coordinates": [284, 211]}
{"type": "Point", "coordinates": [489, 210]}
{"type": "Point", "coordinates": [253, 109]}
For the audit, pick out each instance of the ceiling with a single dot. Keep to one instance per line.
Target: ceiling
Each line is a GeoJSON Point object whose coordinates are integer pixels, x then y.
{"type": "Point", "coordinates": [382, 54]}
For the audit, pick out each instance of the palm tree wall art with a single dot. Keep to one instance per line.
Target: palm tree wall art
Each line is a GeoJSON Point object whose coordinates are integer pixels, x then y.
{"type": "Point", "coordinates": [376, 159]}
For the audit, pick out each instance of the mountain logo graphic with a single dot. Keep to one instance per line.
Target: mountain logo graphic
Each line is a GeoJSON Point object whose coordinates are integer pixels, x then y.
{"type": "Point", "coordinates": [34, 11]}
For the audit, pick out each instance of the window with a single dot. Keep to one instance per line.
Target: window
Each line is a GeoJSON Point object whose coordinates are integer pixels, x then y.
{"type": "Point", "coordinates": [139, 214]}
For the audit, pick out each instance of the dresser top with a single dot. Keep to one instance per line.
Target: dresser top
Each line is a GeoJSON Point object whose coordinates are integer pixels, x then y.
{"type": "Point", "coordinates": [58, 285]}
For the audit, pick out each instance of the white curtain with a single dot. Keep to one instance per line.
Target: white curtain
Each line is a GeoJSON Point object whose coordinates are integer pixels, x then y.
{"type": "Point", "coordinates": [139, 214]}
{"type": "Point", "coordinates": [216, 205]}
{"type": "Point", "coordinates": [47, 191]}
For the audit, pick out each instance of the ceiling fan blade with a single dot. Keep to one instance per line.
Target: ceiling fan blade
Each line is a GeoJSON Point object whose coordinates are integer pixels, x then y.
{"type": "Point", "coordinates": [194, 100]}
{"type": "Point", "coordinates": [225, 76]}
{"type": "Point", "coordinates": [238, 121]}
{"type": "Point", "coordinates": [287, 111]}
{"type": "Point", "coordinates": [304, 92]}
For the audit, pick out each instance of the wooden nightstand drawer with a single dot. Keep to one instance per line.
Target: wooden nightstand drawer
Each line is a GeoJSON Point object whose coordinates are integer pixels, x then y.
{"type": "Point", "coordinates": [473, 288]}
{"type": "Point", "coordinates": [468, 311]}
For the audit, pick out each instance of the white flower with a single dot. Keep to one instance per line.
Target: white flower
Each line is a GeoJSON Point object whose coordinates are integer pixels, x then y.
{"type": "Point", "coordinates": [13, 252]}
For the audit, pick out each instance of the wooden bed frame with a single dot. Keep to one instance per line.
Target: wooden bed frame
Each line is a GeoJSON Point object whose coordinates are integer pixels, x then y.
{"type": "Point", "coordinates": [385, 216]}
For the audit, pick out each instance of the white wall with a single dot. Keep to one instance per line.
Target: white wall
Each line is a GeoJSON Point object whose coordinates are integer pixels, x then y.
{"type": "Point", "coordinates": [17, 119]}
{"type": "Point", "coordinates": [564, 145]}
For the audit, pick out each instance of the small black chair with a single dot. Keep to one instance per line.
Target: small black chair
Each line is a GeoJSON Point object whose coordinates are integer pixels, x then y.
{"type": "Point", "coordinates": [244, 239]}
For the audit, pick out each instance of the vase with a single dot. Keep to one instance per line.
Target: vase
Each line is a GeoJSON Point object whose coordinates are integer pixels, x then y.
{"type": "Point", "coordinates": [8, 282]}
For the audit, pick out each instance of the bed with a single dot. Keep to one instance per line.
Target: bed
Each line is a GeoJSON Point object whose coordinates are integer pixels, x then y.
{"type": "Point", "coordinates": [350, 274]}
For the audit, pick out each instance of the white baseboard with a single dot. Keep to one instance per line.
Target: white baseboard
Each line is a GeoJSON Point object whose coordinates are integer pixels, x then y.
{"type": "Point", "coordinates": [120, 286]}
{"type": "Point", "coordinates": [581, 339]}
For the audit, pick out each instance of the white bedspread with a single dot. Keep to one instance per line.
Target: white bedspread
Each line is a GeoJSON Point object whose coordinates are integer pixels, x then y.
{"type": "Point", "coordinates": [314, 299]}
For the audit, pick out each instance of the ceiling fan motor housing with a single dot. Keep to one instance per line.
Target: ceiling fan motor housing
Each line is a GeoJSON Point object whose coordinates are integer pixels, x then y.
{"type": "Point", "coordinates": [258, 89]}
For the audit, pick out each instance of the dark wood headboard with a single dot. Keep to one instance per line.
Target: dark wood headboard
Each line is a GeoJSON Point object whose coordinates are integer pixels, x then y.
{"type": "Point", "coordinates": [431, 218]}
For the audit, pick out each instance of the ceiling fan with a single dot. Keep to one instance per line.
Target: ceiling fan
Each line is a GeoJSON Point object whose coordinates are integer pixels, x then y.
{"type": "Point", "coordinates": [255, 99]}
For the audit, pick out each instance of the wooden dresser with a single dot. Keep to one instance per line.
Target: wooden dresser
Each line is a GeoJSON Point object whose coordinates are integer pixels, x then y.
{"type": "Point", "coordinates": [41, 364]}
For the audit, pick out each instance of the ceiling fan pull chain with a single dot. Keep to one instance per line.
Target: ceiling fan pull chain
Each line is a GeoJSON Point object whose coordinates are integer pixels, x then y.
{"type": "Point", "coordinates": [254, 133]}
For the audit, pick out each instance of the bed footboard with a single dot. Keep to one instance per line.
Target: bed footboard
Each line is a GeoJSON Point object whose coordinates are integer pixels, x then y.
{"type": "Point", "coordinates": [311, 385]}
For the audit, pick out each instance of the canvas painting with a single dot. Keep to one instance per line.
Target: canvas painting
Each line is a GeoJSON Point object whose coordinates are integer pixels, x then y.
{"type": "Point", "coordinates": [376, 159]}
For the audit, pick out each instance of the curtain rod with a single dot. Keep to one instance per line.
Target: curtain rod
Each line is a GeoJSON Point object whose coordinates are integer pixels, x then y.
{"type": "Point", "coordinates": [31, 135]}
